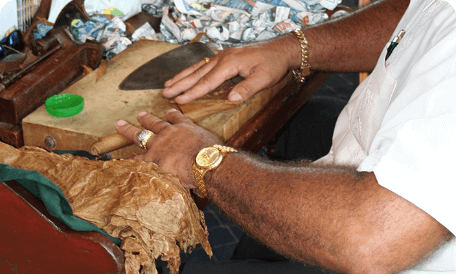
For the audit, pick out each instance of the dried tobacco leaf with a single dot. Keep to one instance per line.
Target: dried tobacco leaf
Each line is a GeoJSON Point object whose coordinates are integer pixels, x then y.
{"type": "Point", "coordinates": [147, 209]}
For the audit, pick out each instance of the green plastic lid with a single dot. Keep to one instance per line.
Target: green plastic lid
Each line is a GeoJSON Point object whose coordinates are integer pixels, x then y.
{"type": "Point", "coordinates": [64, 105]}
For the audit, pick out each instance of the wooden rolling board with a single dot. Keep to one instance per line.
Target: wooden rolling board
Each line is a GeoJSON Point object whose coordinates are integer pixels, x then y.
{"type": "Point", "coordinates": [104, 104]}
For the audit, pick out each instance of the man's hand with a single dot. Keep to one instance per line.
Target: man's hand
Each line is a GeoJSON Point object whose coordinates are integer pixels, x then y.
{"type": "Point", "coordinates": [262, 65]}
{"type": "Point", "coordinates": [174, 145]}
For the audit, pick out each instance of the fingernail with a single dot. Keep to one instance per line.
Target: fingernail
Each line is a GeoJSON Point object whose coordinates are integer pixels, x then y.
{"type": "Point", "coordinates": [121, 123]}
{"type": "Point", "coordinates": [142, 113]}
{"type": "Point", "coordinates": [235, 97]}
{"type": "Point", "coordinates": [172, 110]}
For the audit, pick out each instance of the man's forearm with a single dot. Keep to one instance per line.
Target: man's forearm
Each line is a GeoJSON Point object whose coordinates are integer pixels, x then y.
{"type": "Point", "coordinates": [354, 42]}
{"type": "Point", "coordinates": [333, 217]}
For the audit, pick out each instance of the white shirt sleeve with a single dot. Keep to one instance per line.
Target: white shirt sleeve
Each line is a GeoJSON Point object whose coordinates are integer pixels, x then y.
{"type": "Point", "coordinates": [414, 152]}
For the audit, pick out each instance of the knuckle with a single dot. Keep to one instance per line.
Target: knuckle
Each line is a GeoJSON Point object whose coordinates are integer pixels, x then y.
{"type": "Point", "coordinates": [129, 132]}
{"type": "Point", "coordinates": [205, 81]}
{"type": "Point", "coordinates": [184, 120]}
{"type": "Point", "coordinates": [173, 115]}
{"type": "Point", "coordinates": [149, 124]}
{"type": "Point", "coordinates": [169, 93]}
{"type": "Point", "coordinates": [246, 90]}
{"type": "Point", "coordinates": [160, 125]}
{"type": "Point", "coordinates": [197, 65]}
{"type": "Point", "coordinates": [233, 70]}
{"type": "Point", "coordinates": [134, 136]}
{"type": "Point", "coordinates": [198, 72]}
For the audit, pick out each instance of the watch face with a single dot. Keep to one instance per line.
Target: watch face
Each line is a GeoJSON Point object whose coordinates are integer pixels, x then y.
{"type": "Point", "coordinates": [207, 157]}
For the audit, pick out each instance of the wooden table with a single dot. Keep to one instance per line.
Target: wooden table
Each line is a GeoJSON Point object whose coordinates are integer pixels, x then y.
{"type": "Point", "coordinates": [246, 126]}
{"type": "Point", "coordinates": [105, 104]}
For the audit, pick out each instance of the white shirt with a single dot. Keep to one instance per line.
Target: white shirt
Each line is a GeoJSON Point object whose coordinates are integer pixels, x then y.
{"type": "Point", "coordinates": [400, 123]}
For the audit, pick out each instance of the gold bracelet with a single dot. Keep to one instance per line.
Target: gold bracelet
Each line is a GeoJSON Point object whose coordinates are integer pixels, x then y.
{"type": "Point", "coordinates": [304, 70]}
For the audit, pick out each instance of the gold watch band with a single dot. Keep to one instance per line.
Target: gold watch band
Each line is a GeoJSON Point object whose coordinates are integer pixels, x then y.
{"type": "Point", "coordinates": [198, 173]}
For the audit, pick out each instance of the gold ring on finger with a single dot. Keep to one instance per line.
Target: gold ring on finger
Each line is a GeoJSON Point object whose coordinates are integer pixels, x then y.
{"type": "Point", "coordinates": [207, 59]}
{"type": "Point", "coordinates": [143, 137]}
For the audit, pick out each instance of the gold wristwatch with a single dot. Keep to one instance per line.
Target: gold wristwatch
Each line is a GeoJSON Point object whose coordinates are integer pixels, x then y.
{"type": "Point", "coordinates": [209, 158]}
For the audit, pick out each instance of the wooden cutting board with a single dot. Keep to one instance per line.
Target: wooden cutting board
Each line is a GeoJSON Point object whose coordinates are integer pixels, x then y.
{"type": "Point", "coordinates": [104, 104]}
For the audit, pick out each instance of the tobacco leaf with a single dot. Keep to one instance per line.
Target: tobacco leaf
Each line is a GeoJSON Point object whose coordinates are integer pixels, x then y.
{"type": "Point", "coordinates": [148, 209]}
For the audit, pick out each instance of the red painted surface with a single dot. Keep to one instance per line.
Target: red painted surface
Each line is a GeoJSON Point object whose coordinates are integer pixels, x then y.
{"type": "Point", "coordinates": [32, 241]}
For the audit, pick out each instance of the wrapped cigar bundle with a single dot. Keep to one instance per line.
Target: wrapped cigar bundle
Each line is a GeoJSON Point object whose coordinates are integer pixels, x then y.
{"type": "Point", "coordinates": [149, 210]}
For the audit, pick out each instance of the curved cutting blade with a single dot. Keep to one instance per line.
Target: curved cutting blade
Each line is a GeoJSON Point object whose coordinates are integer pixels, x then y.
{"type": "Point", "coordinates": [154, 74]}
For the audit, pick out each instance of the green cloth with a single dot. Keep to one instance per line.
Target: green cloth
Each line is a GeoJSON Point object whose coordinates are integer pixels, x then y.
{"type": "Point", "coordinates": [52, 197]}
